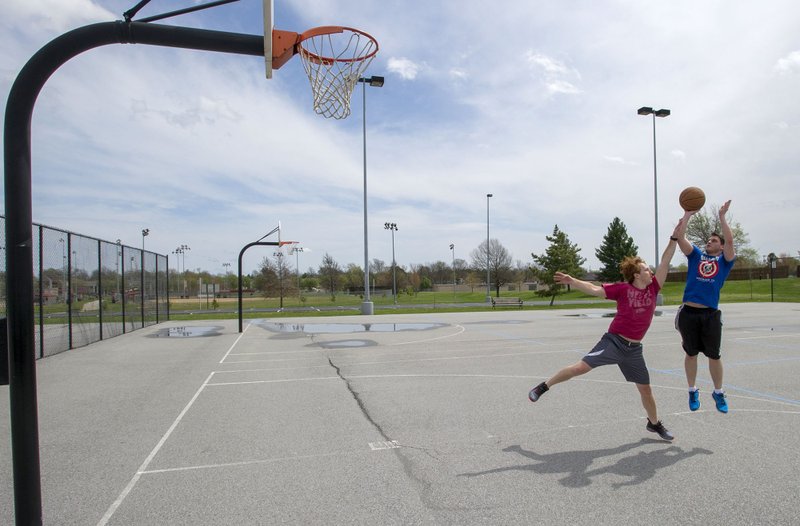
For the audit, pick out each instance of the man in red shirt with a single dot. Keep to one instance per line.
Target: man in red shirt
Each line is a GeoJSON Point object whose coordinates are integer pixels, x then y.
{"type": "Point", "coordinates": [622, 344]}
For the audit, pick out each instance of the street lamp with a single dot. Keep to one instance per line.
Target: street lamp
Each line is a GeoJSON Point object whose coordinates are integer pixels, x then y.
{"type": "Point", "coordinates": [145, 233]}
{"type": "Point", "coordinates": [182, 251]}
{"type": "Point", "coordinates": [488, 290]}
{"type": "Point", "coordinates": [453, 250]}
{"type": "Point", "coordinates": [296, 251]}
{"type": "Point", "coordinates": [393, 228]}
{"type": "Point", "coordinates": [375, 82]}
{"type": "Point", "coordinates": [655, 113]}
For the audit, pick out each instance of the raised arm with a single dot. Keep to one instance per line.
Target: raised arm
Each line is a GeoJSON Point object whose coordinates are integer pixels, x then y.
{"type": "Point", "coordinates": [669, 251]}
{"type": "Point", "coordinates": [728, 250]}
{"type": "Point", "coordinates": [680, 233]}
{"type": "Point", "coordinates": [583, 286]}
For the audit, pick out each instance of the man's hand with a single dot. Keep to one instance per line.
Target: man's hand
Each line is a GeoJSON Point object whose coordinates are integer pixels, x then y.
{"type": "Point", "coordinates": [563, 279]}
{"type": "Point", "coordinates": [724, 209]}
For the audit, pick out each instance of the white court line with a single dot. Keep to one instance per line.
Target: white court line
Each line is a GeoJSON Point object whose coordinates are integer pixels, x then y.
{"type": "Point", "coordinates": [270, 353]}
{"type": "Point", "coordinates": [235, 342]}
{"type": "Point", "coordinates": [142, 469]}
{"type": "Point", "coordinates": [354, 364]}
{"type": "Point", "coordinates": [769, 336]}
{"type": "Point", "coordinates": [504, 376]}
{"type": "Point", "coordinates": [255, 462]}
{"type": "Point", "coordinates": [429, 339]}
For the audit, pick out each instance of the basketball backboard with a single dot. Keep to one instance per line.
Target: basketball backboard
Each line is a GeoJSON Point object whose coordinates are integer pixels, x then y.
{"type": "Point", "coordinates": [269, 25]}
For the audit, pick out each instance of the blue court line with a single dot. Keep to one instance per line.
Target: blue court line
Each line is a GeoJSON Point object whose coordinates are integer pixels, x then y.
{"type": "Point", "coordinates": [681, 373]}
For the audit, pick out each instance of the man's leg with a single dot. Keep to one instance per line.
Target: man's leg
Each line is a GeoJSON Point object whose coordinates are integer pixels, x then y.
{"type": "Point", "coordinates": [563, 375]}
{"type": "Point", "coordinates": [648, 401]}
{"type": "Point", "coordinates": [690, 366]}
{"type": "Point", "coordinates": [571, 371]}
{"type": "Point", "coordinates": [654, 425]}
{"type": "Point", "coordinates": [715, 368]}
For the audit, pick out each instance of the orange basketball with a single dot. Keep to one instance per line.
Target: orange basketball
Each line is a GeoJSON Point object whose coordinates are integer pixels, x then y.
{"type": "Point", "coordinates": [692, 198]}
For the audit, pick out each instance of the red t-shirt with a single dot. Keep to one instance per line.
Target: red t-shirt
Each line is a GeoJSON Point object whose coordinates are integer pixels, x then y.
{"type": "Point", "coordinates": [635, 308]}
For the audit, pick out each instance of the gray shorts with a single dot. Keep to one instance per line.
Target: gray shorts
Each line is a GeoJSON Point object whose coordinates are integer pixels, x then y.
{"type": "Point", "coordinates": [614, 349]}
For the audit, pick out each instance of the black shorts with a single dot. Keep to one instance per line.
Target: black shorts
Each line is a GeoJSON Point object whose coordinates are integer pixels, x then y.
{"type": "Point", "coordinates": [701, 330]}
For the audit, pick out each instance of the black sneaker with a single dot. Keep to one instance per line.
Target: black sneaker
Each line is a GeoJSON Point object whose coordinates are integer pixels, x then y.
{"type": "Point", "coordinates": [538, 391]}
{"type": "Point", "coordinates": [659, 428]}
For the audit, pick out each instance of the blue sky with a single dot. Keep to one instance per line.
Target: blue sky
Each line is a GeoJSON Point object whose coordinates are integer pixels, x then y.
{"type": "Point", "coordinates": [534, 102]}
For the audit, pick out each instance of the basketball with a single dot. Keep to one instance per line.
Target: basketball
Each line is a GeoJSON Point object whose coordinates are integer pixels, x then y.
{"type": "Point", "coordinates": [692, 198]}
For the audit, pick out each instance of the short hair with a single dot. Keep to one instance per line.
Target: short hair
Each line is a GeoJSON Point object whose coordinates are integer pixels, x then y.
{"type": "Point", "coordinates": [721, 238]}
{"type": "Point", "coordinates": [630, 266]}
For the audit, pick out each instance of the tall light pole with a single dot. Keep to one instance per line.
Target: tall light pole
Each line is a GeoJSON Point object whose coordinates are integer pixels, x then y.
{"type": "Point", "coordinates": [488, 285]}
{"type": "Point", "coordinates": [646, 110]}
{"type": "Point", "coordinates": [453, 250]}
{"type": "Point", "coordinates": [376, 82]}
{"type": "Point", "coordinates": [145, 233]}
{"type": "Point", "coordinates": [184, 248]}
{"type": "Point", "coordinates": [393, 228]}
{"type": "Point", "coordinates": [296, 251]}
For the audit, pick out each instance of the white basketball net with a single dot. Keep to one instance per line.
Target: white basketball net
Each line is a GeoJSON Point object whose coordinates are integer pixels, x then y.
{"type": "Point", "coordinates": [333, 63]}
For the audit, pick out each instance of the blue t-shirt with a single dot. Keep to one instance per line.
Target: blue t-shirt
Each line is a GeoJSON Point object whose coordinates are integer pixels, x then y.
{"type": "Point", "coordinates": [705, 278]}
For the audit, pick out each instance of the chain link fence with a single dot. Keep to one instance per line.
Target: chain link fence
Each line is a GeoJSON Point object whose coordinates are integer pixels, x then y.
{"type": "Point", "coordinates": [86, 289]}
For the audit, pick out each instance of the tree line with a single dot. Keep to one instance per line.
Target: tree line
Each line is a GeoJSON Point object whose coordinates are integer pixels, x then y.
{"type": "Point", "coordinates": [276, 277]}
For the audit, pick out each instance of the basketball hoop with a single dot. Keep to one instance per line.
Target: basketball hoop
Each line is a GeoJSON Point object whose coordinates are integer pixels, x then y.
{"type": "Point", "coordinates": [334, 58]}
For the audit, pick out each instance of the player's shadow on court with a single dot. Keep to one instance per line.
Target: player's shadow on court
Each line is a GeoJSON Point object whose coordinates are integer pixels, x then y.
{"type": "Point", "coordinates": [575, 464]}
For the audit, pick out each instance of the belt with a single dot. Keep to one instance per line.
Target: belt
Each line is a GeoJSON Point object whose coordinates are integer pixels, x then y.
{"type": "Point", "coordinates": [626, 341]}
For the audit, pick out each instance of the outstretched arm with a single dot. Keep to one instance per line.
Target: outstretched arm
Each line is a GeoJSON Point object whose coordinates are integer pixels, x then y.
{"type": "Point", "coordinates": [728, 250]}
{"type": "Point", "coordinates": [583, 286]}
{"type": "Point", "coordinates": [669, 251]}
{"type": "Point", "coordinates": [680, 233]}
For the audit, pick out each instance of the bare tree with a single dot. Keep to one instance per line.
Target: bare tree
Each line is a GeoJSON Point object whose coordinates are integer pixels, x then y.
{"type": "Point", "coordinates": [499, 261]}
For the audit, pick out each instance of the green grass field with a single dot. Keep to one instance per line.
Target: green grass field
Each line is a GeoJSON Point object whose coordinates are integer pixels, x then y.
{"type": "Point", "coordinates": [779, 290]}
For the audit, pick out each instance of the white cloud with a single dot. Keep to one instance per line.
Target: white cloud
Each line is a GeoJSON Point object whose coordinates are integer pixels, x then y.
{"type": "Point", "coordinates": [618, 160]}
{"type": "Point", "coordinates": [555, 74]}
{"type": "Point", "coordinates": [52, 15]}
{"type": "Point", "coordinates": [404, 67]}
{"type": "Point", "coordinates": [788, 64]}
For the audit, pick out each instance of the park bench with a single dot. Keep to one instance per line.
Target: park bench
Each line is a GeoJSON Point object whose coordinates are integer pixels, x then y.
{"type": "Point", "coordinates": [506, 302]}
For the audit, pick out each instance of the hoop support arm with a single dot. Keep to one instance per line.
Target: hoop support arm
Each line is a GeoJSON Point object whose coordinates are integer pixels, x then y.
{"type": "Point", "coordinates": [284, 47]}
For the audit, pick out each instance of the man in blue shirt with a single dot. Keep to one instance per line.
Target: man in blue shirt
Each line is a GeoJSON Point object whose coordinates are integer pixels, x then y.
{"type": "Point", "coordinates": [699, 320]}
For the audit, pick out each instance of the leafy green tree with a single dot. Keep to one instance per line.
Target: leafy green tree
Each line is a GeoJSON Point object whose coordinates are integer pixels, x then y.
{"type": "Point", "coordinates": [561, 255]}
{"type": "Point", "coordinates": [354, 277]}
{"type": "Point", "coordinates": [266, 279]}
{"type": "Point", "coordinates": [703, 224]}
{"type": "Point", "coordinates": [616, 246]}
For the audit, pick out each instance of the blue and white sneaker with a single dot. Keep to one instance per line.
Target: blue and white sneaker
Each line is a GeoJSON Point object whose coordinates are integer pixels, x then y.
{"type": "Point", "coordinates": [694, 400]}
{"type": "Point", "coordinates": [722, 404]}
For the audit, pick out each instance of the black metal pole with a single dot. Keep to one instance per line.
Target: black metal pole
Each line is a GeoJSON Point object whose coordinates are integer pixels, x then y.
{"type": "Point", "coordinates": [18, 205]}
{"type": "Point", "coordinates": [241, 253]}
{"type": "Point", "coordinates": [123, 297]}
{"type": "Point", "coordinates": [100, 301]}
{"type": "Point", "coordinates": [69, 288]}
{"type": "Point", "coordinates": [141, 285]}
